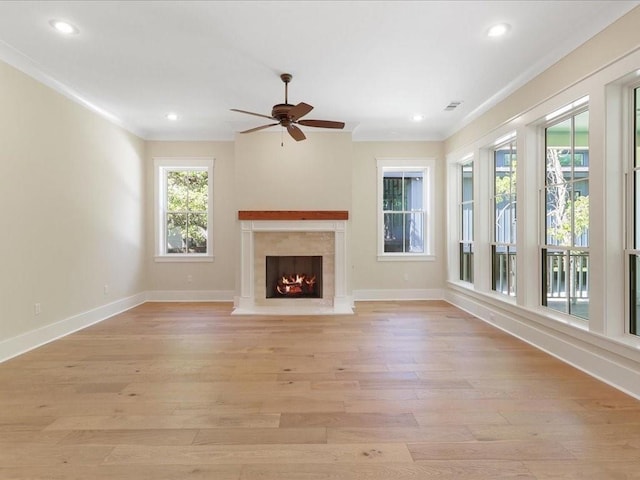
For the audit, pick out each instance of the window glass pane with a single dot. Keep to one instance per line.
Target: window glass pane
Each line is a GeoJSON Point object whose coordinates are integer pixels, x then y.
{"type": "Point", "coordinates": [466, 262]}
{"type": "Point", "coordinates": [567, 281]}
{"type": "Point", "coordinates": [392, 192]}
{"type": "Point", "coordinates": [558, 142]}
{"type": "Point", "coordinates": [177, 192]}
{"type": "Point", "coordinates": [197, 183]}
{"type": "Point", "coordinates": [580, 205]}
{"type": "Point", "coordinates": [503, 259]}
{"type": "Point", "coordinates": [505, 210]}
{"type": "Point", "coordinates": [580, 135]}
{"type": "Point", "coordinates": [176, 232]}
{"type": "Point", "coordinates": [634, 297]}
{"type": "Point", "coordinates": [636, 179]}
{"type": "Point", "coordinates": [414, 228]}
{"type": "Point", "coordinates": [413, 191]}
{"type": "Point", "coordinates": [197, 230]}
{"type": "Point", "coordinates": [579, 284]}
{"type": "Point", "coordinates": [554, 272]}
{"type": "Point", "coordinates": [637, 127]}
{"type": "Point", "coordinates": [393, 232]}
{"type": "Point", "coordinates": [558, 211]}
{"type": "Point", "coordinates": [467, 182]}
{"type": "Point", "coordinates": [467, 222]}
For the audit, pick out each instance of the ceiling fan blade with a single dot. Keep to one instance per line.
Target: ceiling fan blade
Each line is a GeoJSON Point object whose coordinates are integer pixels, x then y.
{"type": "Point", "coordinates": [251, 113]}
{"type": "Point", "coordinates": [260, 128]}
{"type": "Point", "coordinates": [300, 110]}
{"type": "Point", "coordinates": [321, 123]}
{"type": "Point", "coordinates": [295, 132]}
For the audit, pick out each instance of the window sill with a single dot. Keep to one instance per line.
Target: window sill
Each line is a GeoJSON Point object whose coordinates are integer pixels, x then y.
{"type": "Point", "coordinates": [183, 258]}
{"type": "Point", "coordinates": [405, 257]}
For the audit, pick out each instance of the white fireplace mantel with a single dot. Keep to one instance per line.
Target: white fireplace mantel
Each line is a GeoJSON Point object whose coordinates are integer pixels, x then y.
{"type": "Point", "coordinates": [245, 303]}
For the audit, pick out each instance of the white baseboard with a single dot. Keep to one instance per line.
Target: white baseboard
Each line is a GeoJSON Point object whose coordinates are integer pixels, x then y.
{"type": "Point", "coordinates": [398, 294]}
{"type": "Point", "coordinates": [24, 342]}
{"type": "Point", "coordinates": [596, 360]}
{"type": "Point", "coordinates": [190, 296]}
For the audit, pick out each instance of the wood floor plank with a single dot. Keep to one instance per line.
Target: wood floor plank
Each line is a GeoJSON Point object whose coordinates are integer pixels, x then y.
{"type": "Point", "coordinates": [449, 470]}
{"type": "Point", "coordinates": [367, 420]}
{"type": "Point", "coordinates": [138, 422]}
{"type": "Point", "coordinates": [124, 472]}
{"type": "Point", "coordinates": [516, 450]}
{"type": "Point", "coordinates": [260, 436]}
{"type": "Point", "coordinates": [130, 437]}
{"type": "Point", "coordinates": [451, 433]}
{"type": "Point", "coordinates": [247, 454]}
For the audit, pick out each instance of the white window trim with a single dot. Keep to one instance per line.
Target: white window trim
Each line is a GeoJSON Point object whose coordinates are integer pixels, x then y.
{"type": "Point", "coordinates": [161, 165]}
{"type": "Point", "coordinates": [427, 165]}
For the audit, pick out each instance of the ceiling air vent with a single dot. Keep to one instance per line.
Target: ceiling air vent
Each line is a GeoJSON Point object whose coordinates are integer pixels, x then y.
{"type": "Point", "coordinates": [452, 106]}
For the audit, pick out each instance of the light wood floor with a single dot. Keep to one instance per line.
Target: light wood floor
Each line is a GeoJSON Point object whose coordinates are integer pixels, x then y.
{"type": "Point", "coordinates": [415, 390]}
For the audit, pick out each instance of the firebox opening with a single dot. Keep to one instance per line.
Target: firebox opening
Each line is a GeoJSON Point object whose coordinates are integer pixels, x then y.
{"type": "Point", "coordinates": [294, 277]}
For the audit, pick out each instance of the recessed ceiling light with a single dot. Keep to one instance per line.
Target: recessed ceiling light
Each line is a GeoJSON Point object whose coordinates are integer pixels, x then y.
{"type": "Point", "coordinates": [498, 30]}
{"type": "Point", "coordinates": [172, 116]}
{"type": "Point", "coordinates": [418, 117]}
{"type": "Point", "coordinates": [63, 27]}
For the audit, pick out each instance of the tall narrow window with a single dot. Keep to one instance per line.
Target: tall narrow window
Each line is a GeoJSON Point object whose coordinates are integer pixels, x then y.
{"type": "Point", "coordinates": [466, 223]}
{"type": "Point", "coordinates": [405, 219]}
{"type": "Point", "coordinates": [503, 245]}
{"type": "Point", "coordinates": [565, 249]}
{"type": "Point", "coordinates": [183, 208]}
{"type": "Point", "coordinates": [634, 254]}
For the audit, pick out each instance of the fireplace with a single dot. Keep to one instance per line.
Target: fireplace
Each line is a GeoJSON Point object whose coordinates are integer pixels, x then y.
{"type": "Point", "coordinates": [293, 276]}
{"type": "Point", "coordinates": [317, 234]}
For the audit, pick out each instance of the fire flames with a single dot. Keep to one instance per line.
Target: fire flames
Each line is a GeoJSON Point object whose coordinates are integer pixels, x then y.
{"type": "Point", "coordinates": [296, 284]}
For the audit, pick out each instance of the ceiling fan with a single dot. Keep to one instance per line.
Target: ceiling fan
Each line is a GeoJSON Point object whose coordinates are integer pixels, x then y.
{"type": "Point", "coordinates": [289, 115]}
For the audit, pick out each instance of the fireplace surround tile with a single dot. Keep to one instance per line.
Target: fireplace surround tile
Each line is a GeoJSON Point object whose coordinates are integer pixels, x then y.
{"type": "Point", "coordinates": [260, 238]}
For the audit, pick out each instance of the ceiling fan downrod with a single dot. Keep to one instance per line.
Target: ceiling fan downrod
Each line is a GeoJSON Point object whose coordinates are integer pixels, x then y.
{"type": "Point", "coordinates": [286, 78]}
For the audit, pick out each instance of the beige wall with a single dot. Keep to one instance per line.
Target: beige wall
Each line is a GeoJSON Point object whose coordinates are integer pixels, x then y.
{"type": "Point", "coordinates": [314, 174]}
{"type": "Point", "coordinates": [73, 207]}
{"type": "Point", "coordinates": [368, 272]}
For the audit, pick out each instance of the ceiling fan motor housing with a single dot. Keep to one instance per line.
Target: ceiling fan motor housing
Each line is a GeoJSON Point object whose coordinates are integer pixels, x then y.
{"type": "Point", "coordinates": [281, 112]}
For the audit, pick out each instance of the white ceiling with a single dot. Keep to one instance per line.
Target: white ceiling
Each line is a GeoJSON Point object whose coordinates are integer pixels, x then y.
{"type": "Point", "coordinates": [371, 64]}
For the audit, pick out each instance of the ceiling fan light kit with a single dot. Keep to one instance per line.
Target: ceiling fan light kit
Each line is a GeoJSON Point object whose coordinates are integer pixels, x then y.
{"type": "Point", "coordinates": [288, 115]}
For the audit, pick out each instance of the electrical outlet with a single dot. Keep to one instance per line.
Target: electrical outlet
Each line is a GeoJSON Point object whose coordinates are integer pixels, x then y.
{"type": "Point", "coordinates": [37, 309]}
{"type": "Point", "coordinates": [106, 289]}
{"type": "Point", "coordinates": [406, 277]}
{"type": "Point", "coordinates": [189, 278]}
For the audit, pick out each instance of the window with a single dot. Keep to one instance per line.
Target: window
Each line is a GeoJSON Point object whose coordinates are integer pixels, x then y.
{"type": "Point", "coordinates": [503, 200]}
{"type": "Point", "coordinates": [184, 193]}
{"type": "Point", "coordinates": [404, 199]}
{"type": "Point", "coordinates": [466, 222]}
{"type": "Point", "coordinates": [565, 249]}
{"type": "Point", "coordinates": [634, 253]}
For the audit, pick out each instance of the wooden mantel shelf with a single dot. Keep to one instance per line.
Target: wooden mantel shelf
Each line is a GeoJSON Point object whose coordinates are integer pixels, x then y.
{"type": "Point", "coordinates": [293, 215]}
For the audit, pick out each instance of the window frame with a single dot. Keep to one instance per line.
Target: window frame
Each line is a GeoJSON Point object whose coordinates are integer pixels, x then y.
{"type": "Point", "coordinates": [569, 112]}
{"type": "Point", "coordinates": [465, 266]}
{"type": "Point", "coordinates": [427, 166]}
{"type": "Point", "coordinates": [163, 165]}
{"type": "Point", "coordinates": [632, 242]}
{"type": "Point", "coordinates": [506, 142]}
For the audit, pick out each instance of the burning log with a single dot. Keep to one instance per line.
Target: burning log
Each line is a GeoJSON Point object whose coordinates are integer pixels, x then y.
{"type": "Point", "coordinates": [296, 284]}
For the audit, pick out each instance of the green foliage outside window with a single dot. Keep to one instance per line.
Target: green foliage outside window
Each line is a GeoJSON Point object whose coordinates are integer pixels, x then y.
{"type": "Point", "coordinates": [187, 199]}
